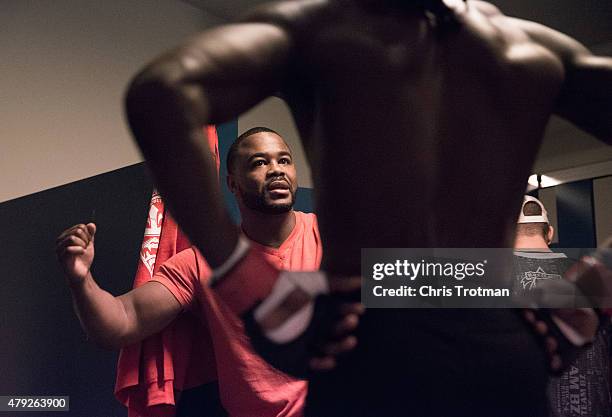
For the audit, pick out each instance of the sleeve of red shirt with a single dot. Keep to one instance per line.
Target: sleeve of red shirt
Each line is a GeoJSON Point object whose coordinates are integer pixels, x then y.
{"type": "Point", "coordinates": [180, 275]}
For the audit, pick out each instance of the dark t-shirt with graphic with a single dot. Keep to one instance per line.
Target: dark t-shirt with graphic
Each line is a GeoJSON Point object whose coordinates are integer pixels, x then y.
{"type": "Point", "coordinates": [584, 388]}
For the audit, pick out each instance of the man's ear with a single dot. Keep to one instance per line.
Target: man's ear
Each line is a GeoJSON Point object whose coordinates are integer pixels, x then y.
{"type": "Point", "coordinates": [550, 235]}
{"type": "Point", "coordinates": [231, 183]}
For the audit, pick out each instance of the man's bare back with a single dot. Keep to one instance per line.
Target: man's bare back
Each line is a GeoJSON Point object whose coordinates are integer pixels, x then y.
{"type": "Point", "coordinates": [409, 121]}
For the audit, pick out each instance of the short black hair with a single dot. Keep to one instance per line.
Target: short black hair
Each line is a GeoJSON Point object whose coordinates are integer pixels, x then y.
{"type": "Point", "coordinates": [532, 208]}
{"type": "Point", "coordinates": [233, 150]}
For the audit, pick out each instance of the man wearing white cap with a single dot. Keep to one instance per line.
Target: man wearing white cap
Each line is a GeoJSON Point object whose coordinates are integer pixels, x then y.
{"type": "Point", "coordinates": [583, 388]}
{"type": "Point", "coordinates": [533, 229]}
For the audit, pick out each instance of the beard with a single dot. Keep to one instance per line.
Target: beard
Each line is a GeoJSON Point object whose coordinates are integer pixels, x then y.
{"type": "Point", "coordinates": [258, 202]}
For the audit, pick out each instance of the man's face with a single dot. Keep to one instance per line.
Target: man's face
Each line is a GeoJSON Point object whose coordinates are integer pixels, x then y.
{"type": "Point", "coordinates": [264, 177]}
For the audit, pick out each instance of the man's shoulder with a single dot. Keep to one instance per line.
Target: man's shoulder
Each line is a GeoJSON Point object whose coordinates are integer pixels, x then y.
{"type": "Point", "coordinates": [189, 259]}
{"type": "Point", "coordinates": [307, 218]}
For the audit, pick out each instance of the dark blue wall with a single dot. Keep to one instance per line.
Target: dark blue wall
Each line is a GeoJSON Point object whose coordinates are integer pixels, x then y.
{"type": "Point", "coordinates": [43, 349]}
{"type": "Point", "coordinates": [575, 215]}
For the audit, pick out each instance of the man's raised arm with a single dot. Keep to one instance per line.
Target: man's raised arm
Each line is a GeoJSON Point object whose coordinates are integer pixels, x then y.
{"type": "Point", "coordinates": [109, 321]}
{"type": "Point", "coordinates": [586, 96]}
{"type": "Point", "coordinates": [212, 78]}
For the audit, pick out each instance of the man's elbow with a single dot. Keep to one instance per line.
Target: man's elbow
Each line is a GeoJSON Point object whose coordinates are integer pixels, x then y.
{"type": "Point", "coordinates": [162, 103]}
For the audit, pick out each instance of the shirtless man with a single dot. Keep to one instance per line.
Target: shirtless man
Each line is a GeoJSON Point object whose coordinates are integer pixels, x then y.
{"type": "Point", "coordinates": [420, 119]}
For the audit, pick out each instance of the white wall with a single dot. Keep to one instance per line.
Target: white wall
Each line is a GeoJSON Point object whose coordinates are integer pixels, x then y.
{"type": "Point", "coordinates": [565, 147]}
{"type": "Point", "coordinates": [65, 65]}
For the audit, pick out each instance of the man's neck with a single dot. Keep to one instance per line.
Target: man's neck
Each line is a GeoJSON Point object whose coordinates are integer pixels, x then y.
{"type": "Point", "coordinates": [268, 229]}
{"type": "Point", "coordinates": [531, 242]}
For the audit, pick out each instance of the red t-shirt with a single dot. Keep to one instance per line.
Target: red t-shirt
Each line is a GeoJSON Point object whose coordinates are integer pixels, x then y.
{"type": "Point", "coordinates": [248, 386]}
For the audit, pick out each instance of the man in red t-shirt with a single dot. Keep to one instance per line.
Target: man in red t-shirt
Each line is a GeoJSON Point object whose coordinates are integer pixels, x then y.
{"type": "Point", "coordinates": [263, 179]}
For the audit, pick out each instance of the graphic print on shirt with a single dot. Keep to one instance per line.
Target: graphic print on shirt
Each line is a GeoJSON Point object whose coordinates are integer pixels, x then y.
{"type": "Point", "coordinates": [150, 242]}
{"type": "Point", "coordinates": [530, 278]}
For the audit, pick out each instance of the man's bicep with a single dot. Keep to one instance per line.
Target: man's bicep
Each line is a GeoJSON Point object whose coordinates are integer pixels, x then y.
{"type": "Point", "coordinates": [148, 308]}
{"type": "Point", "coordinates": [236, 65]}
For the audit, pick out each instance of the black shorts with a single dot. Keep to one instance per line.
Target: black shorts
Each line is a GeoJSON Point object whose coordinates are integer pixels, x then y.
{"type": "Point", "coordinates": [436, 363]}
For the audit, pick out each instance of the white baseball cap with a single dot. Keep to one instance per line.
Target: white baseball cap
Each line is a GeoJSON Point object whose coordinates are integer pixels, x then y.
{"type": "Point", "coordinates": [542, 218]}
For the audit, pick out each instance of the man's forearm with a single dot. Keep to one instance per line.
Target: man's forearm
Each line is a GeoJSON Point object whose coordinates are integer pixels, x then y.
{"type": "Point", "coordinates": [167, 121]}
{"type": "Point", "coordinates": [103, 317]}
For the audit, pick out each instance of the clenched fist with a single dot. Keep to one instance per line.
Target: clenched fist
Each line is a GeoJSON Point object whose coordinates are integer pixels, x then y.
{"type": "Point", "coordinates": [75, 251]}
